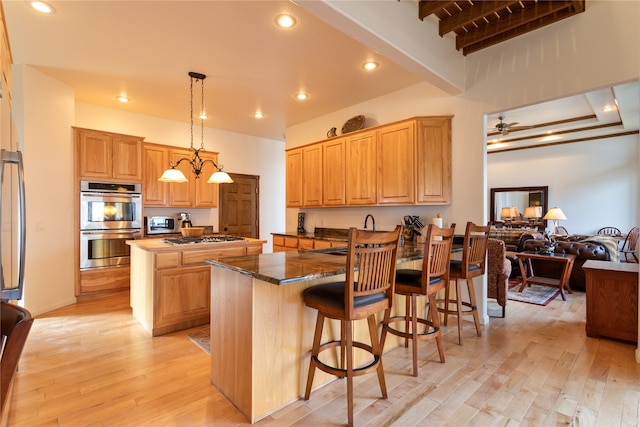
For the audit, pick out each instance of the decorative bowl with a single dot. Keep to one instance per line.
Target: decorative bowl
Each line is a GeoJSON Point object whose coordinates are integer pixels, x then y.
{"type": "Point", "coordinates": [192, 231]}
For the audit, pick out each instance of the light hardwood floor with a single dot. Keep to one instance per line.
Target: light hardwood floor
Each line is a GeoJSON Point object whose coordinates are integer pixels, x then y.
{"type": "Point", "coordinates": [92, 364]}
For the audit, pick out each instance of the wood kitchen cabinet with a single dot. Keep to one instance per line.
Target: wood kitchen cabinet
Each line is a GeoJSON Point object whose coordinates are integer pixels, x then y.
{"type": "Point", "coordinates": [194, 193]}
{"type": "Point", "coordinates": [108, 156]}
{"type": "Point", "coordinates": [312, 175]}
{"type": "Point", "coordinates": [361, 169]}
{"type": "Point", "coordinates": [170, 287]}
{"type": "Point", "coordinates": [402, 163]}
{"type": "Point", "coordinates": [395, 164]}
{"type": "Point", "coordinates": [433, 165]}
{"type": "Point", "coordinates": [333, 172]}
{"type": "Point", "coordinates": [294, 178]}
{"type": "Point", "coordinates": [283, 243]}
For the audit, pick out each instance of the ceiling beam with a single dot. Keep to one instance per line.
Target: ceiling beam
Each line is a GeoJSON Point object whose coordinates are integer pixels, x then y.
{"type": "Point", "coordinates": [427, 7]}
{"type": "Point", "coordinates": [515, 24]}
{"type": "Point", "coordinates": [472, 14]}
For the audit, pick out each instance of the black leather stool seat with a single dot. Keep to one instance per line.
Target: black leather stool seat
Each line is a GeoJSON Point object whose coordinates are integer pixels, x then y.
{"type": "Point", "coordinates": [332, 294]}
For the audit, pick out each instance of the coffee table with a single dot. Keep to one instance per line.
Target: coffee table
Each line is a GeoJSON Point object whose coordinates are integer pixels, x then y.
{"type": "Point", "coordinates": [529, 276]}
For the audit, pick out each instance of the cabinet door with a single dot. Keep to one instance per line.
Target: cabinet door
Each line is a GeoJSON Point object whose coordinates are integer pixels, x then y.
{"type": "Point", "coordinates": [294, 178]}
{"type": "Point", "coordinates": [333, 172]}
{"type": "Point", "coordinates": [156, 161]}
{"type": "Point", "coordinates": [312, 175]}
{"type": "Point", "coordinates": [95, 154]}
{"type": "Point", "coordinates": [395, 164]}
{"type": "Point", "coordinates": [433, 147]}
{"type": "Point", "coordinates": [182, 294]}
{"type": "Point", "coordinates": [127, 158]}
{"type": "Point", "coordinates": [182, 194]}
{"type": "Point", "coordinates": [361, 169]}
{"type": "Point", "coordinates": [207, 194]}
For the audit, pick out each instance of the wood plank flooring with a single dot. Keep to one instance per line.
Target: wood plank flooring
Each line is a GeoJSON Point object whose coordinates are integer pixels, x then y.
{"type": "Point", "coordinates": [92, 364]}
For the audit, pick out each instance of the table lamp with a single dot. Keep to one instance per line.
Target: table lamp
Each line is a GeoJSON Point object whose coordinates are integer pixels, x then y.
{"type": "Point", "coordinates": [556, 215]}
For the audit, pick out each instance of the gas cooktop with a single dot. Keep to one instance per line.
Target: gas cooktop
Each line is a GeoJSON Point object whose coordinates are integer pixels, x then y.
{"type": "Point", "coordinates": [204, 239]}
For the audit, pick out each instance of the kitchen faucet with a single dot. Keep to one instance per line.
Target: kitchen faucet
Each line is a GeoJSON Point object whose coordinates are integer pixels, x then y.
{"type": "Point", "coordinates": [373, 220]}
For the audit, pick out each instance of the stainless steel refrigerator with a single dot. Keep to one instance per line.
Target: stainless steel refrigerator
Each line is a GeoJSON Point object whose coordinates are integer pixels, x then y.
{"type": "Point", "coordinates": [12, 207]}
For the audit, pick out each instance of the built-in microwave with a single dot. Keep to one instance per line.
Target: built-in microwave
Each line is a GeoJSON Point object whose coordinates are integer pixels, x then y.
{"type": "Point", "coordinates": [161, 225]}
{"type": "Point", "coordinates": [110, 206]}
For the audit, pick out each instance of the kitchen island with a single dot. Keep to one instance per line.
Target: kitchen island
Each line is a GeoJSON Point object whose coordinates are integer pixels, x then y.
{"type": "Point", "coordinates": [170, 283]}
{"type": "Point", "coordinates": [261, 331]}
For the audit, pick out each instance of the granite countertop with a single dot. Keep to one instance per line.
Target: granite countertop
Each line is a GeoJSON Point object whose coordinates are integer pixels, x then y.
{"type": "Point", "coordinates": [336, 234]}
{"type": "Point", "coordinates": [282, 268]}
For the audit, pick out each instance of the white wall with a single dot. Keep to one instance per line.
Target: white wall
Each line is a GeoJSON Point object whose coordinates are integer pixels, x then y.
{"type": "Point", "coordinates": [595, 183]}
{"type": "Point", "coordinates": [44, 112]}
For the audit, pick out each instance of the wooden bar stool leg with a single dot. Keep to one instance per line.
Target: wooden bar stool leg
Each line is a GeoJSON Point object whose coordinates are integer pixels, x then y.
{"type": "Point", "coordinates": [474, 306]}
{"type": "Point", "coordinates": [314, 354]}
{"type": "Point", "coordinates": [446, 303]}
{"type": "Point", "coordinates": [407, 310]}
{"type": "Point", "coordinates": [435, 319]}
{"type": "Point", "coordinates": [414, 332]}
{"type": "Point", "coordinates": [349, 344]}
{"type": "Point", "coordinates": [459, 309]}
{"type": "Point", "coordinates": [377, 352]}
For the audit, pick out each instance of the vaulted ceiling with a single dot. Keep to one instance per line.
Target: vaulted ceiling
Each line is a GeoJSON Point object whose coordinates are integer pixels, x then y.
{"type": "Point", "coordinates": [480, 24]}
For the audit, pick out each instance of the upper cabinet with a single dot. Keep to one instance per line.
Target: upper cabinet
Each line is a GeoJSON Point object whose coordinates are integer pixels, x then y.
{"type": "Point", "coordinates": [108, 156]}
{"type": "Point", "coordinates": [403, 163]}
{"type": "Point", "coordinates": [194, 193]}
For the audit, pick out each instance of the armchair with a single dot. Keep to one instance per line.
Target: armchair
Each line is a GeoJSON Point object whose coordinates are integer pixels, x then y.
{"type": "Point", "coordinates": [498, 272]}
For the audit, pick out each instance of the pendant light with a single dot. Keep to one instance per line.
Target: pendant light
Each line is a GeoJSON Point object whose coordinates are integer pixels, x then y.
{"type": "Point", "coordinates": [175, 175]}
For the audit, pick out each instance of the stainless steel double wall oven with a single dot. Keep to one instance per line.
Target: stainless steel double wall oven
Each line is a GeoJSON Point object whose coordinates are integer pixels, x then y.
{"type": "Point", "coordinates": [110, 214]}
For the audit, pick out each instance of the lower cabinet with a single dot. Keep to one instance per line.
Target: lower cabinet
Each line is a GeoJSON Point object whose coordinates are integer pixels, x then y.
{"type": "Point", "coordinates": [181, 297]}
{"type": "Point", "coordinates": [283, 243]}
{"type": "Point", "coordinates": [102, 280]}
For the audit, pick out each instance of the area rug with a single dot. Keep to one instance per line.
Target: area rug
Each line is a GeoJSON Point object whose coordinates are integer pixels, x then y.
{"type": "Point", "coordinates": [201, 338]}
{"type": "Point", "coordinates": [534, 294]}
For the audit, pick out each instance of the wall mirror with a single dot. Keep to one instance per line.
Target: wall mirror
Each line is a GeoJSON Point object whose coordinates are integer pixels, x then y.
{"type": "Point", "coordinates": [519, 206]}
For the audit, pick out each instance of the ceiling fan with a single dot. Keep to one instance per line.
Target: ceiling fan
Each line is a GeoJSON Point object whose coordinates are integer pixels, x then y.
{"type": "Point", "coordinates": [503, 127]}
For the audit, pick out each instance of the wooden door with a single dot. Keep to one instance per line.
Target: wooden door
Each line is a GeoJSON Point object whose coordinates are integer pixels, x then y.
{"type": "Point", "coordinates": [95, 154]}
{"type": "Point", "coordinates": [238, 214]}
{"type": "Point", "coordinates": [333, 168]}
{"type": "Point", "coordinates": [156, 161]}
{"type": "Point", "coordinates": [182, 194]}
{"type": "Point", "coordinates": [127, 158]}
{"type": "Point", "coordinates": [294, 178]}
{"type": "Point", "coordinates": [395, 164]}
{"type": "Point", "coordinates": [361, 169]}
{"type": "Point", "coordinates": [433, 146]}
{"type": "Point", "coordinates": [312, 175]}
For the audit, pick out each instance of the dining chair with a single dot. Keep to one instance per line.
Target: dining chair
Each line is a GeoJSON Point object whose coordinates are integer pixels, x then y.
{"type": "Point", "coordinates": [411, 283]}
{"type": "Point", "coordinates": [560, 230]}
{"type": "Point", "coordinates": [367, 290]}
{"type": "Point", "coordinates": [473, 264]}
{"type": "Point", "coordinates": [610, 231]}
{"type": "Point", "coordinates": [630, 245]}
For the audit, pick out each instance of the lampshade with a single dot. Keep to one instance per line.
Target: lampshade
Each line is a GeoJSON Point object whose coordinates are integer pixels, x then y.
{"type": "Point", "coordinates": [555, 214]}
{"type": "Point", "coordinates": [219, 177]}
{"type": "Point", "coordinates": [509, 212]}
{"type": "Point", "coordinates": [533, 212]}
{"type": "Point", "coordinates": [173, 175]}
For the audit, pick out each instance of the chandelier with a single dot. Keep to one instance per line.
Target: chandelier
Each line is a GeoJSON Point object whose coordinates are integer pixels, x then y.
{"type": "Point", "coordinates": [175, 175]}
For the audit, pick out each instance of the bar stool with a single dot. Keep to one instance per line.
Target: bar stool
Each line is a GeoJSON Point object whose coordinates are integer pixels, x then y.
{"type": "Point", "coordinates": [472, 264]}
{"type": "Point", "coordinates": [367, 290]}
{"type": "Point", "coordinates": [433, 277]}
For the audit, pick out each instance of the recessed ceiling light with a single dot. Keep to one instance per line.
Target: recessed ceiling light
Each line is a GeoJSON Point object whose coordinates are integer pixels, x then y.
{"type": "Point", "coordinates": [258, 115]}
{"type": "Point", "coordinates": [123, 98]}
{"type": "Point", "coordinates": [301, 96]}
{"type": "Point", "coordinates": [285, 21]}
{"type": "Point", "coordinates": [608, 108]}
{"type": "Point", "coordinates": [370, 65]}
{"type": "Point", "coordinates": [43, 7]}
{"type": "Point", "coordinates": [203, 116]}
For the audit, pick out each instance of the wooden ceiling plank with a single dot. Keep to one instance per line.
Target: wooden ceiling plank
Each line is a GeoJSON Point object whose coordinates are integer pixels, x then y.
{"type": "Point", "coordinates": [472, 14]}
{"type": "Point", "coordinates": [542, 13]}
{"type": "Point", "coordinates": [498, 38]}
{"type": "Point", "coordinates": [570, 141]}
{"type": "Point", "coordinates": [427, 7]}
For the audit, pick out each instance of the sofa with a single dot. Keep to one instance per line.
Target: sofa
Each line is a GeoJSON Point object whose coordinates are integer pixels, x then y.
{"type": "Point", "coordinates": [597, 248]}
